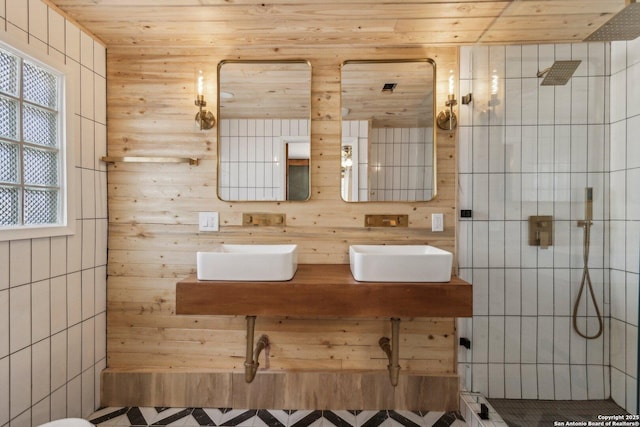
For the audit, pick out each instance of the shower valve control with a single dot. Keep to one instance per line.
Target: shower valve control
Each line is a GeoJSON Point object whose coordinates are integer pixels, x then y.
{"type": "Point", "coordinates": [541, 231]}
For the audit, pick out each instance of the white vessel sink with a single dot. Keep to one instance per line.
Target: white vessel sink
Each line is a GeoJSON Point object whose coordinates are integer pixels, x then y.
{"type": "Point", "coordinates": [400, 263]}
{"type": "Point", "coordinates": [248, 263]}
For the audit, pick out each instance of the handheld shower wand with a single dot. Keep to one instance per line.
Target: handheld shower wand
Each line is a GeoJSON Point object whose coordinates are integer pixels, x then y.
{"type": "Point", "coordinates": [586, 278]}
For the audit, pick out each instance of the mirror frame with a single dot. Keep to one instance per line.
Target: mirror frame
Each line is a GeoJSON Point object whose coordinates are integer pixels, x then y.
{"type": "Point", "coordinates": [296, 138]}
{"type": "Point", "coordinates": [433, 121]}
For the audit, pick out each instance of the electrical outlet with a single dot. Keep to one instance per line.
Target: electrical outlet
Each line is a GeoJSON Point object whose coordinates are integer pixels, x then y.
{"type": "Point", "coordinates": [437, 222]}
{"type": "Point", "coordinates": [465, 213]}
{"type": "Point", "coordinates": [208, 221]}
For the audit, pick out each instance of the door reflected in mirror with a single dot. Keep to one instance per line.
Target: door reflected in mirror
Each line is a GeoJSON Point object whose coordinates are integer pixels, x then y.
{"type": "Point", "coordinates": [388, 132]}
{"type": "Point", "coordinates": [264, 148]}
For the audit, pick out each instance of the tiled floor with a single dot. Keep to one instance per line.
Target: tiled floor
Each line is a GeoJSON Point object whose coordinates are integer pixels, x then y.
{"type": "Point", "coordinates": [137, 416]}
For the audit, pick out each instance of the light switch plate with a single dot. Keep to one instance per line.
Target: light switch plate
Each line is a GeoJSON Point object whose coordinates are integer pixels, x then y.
{"type": "Point", "coordinates": [437, 222]}
{"type": "Point", "coordinates": [208, 221]}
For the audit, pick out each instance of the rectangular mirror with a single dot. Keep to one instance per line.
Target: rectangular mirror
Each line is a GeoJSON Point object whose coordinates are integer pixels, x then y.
{"type": "Point", "coordinates": [388, 130]}
{"type": "Point", "coordinates": [264, 117]}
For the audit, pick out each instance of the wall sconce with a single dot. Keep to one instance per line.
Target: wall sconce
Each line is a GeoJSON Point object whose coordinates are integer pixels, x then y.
{"type": "Point", "coordinates": [204, 118]}
{"type": "Point", "coordinates": [447, 119]}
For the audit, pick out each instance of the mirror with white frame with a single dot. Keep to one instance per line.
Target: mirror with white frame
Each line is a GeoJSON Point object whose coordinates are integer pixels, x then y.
{"type": "Point", "coordinates": [388, 130]}
{"type": "Point", "coordinates": [264, 112]}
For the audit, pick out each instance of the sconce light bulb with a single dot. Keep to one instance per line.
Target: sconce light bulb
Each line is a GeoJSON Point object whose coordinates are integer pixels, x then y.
{"type": "Point", "coordinates": [451, 82]}
{"type": "Point", "coordinates": [200, 83]}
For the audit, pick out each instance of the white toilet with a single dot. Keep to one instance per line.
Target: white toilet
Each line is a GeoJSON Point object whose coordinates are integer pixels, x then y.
{"type": "Point", "coordinates": [67, 422]}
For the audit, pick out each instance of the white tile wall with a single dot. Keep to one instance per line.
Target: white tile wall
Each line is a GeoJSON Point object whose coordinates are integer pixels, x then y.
{"type": "Point", "coordinates": [402, 164]}
{"type": "Point", "coordinates": [528, 151]}
{"type": "Point", "coordinates": [53, 290]}
{"type": "Point", "coordinates": [624, 258]}
{"type": "Point", "coordinates": [251, 153]}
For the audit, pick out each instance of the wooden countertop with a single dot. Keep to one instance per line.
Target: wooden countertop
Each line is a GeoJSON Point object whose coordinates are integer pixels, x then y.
{"type": "Point", "coordinates": [324, 290]}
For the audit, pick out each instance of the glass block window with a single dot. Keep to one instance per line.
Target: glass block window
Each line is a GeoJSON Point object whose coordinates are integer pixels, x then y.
{"type": "Point", "coordinates": [30, 143]}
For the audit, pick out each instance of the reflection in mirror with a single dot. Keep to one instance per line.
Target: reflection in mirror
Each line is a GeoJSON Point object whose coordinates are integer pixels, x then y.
{"type": "Point", "coordinates": [264, 112]}
{"type": "Point", "coordinates": [388, 133]}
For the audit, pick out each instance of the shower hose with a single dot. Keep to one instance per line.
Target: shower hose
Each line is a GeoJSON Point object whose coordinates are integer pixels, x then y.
{"type": "Point", "coordinates": [586, 282]}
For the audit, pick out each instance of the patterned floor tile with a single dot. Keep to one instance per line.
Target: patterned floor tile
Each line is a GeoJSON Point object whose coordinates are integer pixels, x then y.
{"type": "Point", "coordinates": [305, 419]}
{"type": "Point", "coordinates": [226, 417]}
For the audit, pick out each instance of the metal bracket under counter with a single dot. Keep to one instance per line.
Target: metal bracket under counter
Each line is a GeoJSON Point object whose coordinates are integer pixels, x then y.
{"type": "Point", "coordinates": [324, 290]}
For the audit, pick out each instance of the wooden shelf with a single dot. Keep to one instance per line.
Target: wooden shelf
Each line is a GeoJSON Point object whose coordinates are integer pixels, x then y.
{"type": "Point", "coordinates": [324, 290]}
{"type": "Point", "coordinates": [137, 159]}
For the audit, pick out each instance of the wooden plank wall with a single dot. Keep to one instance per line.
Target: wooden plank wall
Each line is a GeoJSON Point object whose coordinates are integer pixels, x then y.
{"type": "Point", "coordinates": [153, 211]}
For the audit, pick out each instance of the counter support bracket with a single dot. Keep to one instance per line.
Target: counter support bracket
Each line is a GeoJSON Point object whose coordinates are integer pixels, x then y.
{"type": "Point", "coordinates": [391, 348]}
{"type": "Point", "coordinates": [251, 361]}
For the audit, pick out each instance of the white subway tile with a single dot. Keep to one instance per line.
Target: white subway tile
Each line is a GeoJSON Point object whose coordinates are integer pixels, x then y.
{"type": "Point", "coordinates": [88, 293]}
{"type": "Point", "coordinates": [19, 317]}
{"type": "Point", "coordinates": [513, 289]}
{"type": "Point", "coordinates": [546, 105]}
{"type": "Point", "coordinates": [4, 323]}
{"type": "Point", "coordinates": [496, 196]}
{"type": "Point", "coordinates": [41, 370]}
{"type": "Point", "coordinates": [530, 66]}
{"type": "Point", "coordinates": [633, 246]}
{"type": "Point", "coordinates": [563, 111]}
{"type": "Point", "coordinates": [87, 93]}
{"type": "Point", "coordinates": [545, 382]}
{"type": "Point", "coordinates": [529, 381]}
{"type": "Point", "coordinates": [18, 13]}
{"type": "Point", "coordinates": [496, 380]}
{"type": "Point", "coordinates": [496, 291]}
{"type": "Point", "coordinates": [580, 52]}
{"type": "Point", "coordinates": [74, 351]}
{"type": "Point", "coordinates": [88, 344]}
{"type": "Point", "coordinates": [496, 339]}
{"type": "Point", "coordinates": [56, 30]}
{"type": "Point", "coordinates": [73, 42]}
{"type": "Point", "coordinates": [59, 403]}
{"type": "Point", "coordinates": [58, 308]}
{"type": "Point", "coordinates": [512, 335]}
{"type": "Point", "coordinates": [74, 398]}
{"type": "Point", "coordinates": [88, 390]}
{"type": "Point", "coordinates": [545, 339]}
{"type": "Point", "coordinates": [513, 387]}
{"type": "Point", "coordinates": [74, 298]}
{"type": "Point", "coordinates": [40, 258]}
{"type": "Point", "coordinates": [40, 412]}
{"type": "Point", "coordinates": [513, 101]}
{"type": "Point", "coordinates": [561, 339]}
{"type": "Point", "coordinates": [86, 50]}
{"type": "Point", "coordinates": [562, 382]}
{"type": "Point", "coordinates": [529, 339]}
{"type": "Point", "coordinates": [88, 243]}
{"type": "Point", "coordinates": [578, 382]}
{"type": "Point", "coordinates": [19, 262]}
{"type": "Point", "coordinates": [20, 382]}
{"type": "Point", "coordinates": [480, 291]}
{"type": "Point", "coordinates": [74, 249]}
{"type": "Point", "coordinates": [40, 310]}
{"type": "Point", "coordinates": [562, 303]}
{"type": "Point", "coordinates": [595, 379]}
{"type": "Point", "coordinates": [597, 99]}
{"type": "Point", "coordinates": [631, 299]}
{"type": "Point", "coordinates": [38, 20]}
{"type": "Point", "coordinates": [59, 360]}
{"type": "Point", "coordinates": [5, 382]}
{"type": "Point", "coordinates": [480, 340]}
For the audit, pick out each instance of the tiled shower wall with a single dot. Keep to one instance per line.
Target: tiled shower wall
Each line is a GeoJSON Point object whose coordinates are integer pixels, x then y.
{"type": "Point", "coordinates": [526, 149]}
{"type": "Point", "coordinates": [251, 153]}
{"type": "Point", "coordinates": [401, 164]}
{"type": "Point", "coordinates": [625, 220]}
{"type": "Point", "coordinates": [53, 290]}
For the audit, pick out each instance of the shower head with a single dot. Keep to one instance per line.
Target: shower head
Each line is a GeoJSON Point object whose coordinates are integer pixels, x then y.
{"type": "Point", "coordinates": [624, 25]}
{"type": "Point", "coordinates": [559, 73]}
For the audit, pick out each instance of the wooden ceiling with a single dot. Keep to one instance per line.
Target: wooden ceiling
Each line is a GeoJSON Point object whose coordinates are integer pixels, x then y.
{"type": "Point", "coordinates": [124, 24]}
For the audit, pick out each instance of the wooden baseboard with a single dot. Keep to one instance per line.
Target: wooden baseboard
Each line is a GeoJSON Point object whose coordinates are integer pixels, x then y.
{"type": "Point", "coordinates": [280, 390]}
